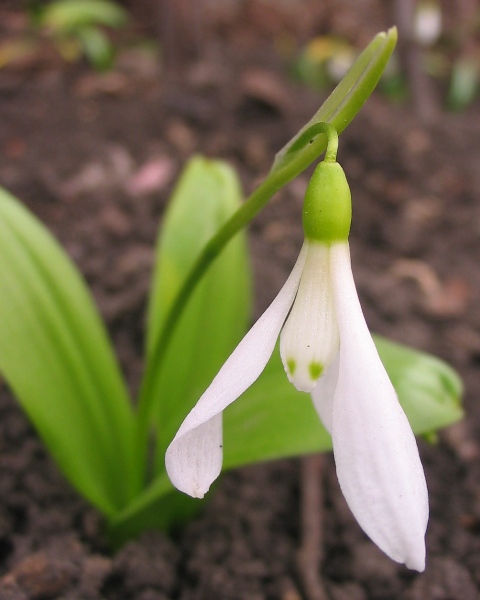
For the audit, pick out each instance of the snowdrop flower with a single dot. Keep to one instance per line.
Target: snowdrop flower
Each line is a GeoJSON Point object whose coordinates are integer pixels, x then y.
{"type": "Point", "coordinates": [327, 350]}
{"type": "Point", "coordinates": [427, 23]}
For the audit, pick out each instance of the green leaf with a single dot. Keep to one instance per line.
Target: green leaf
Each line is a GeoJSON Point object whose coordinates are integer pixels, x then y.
{"type": "Point", "coordinates": [429, 390]}
{"type": "Point", "coordinates": [464, 84]}
{"type": "Point", "coordinates": [216, 315]}
{"type": "Point", "coordinates": [273, 420]}
{"type": "Point", "coordinates": [97, 47]}
{"type": "Point", "coordinates": [341, 106]}
{"type": "Point", "coordinates": [56, 357]}
{"type": "Point", "coordinates": [70, 15]}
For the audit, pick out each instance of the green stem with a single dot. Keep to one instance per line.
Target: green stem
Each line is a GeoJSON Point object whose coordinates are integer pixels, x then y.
{"type": "Point", "coordinates": [334, 115]}
{"type": "Point", "coordinates": [213, 248]}
{"type": "Point", "coordinates": [275, 181]}
{"type": "Point", "coordinates": [332, 143]}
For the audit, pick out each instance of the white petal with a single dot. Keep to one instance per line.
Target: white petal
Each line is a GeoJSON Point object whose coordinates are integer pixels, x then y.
{"type": "Point", "coordinates": [323, 393]}
{"type": "Point", "coordinates": [309, 339]}
{"type": "Point", "coordinates": [376, 455]}
{"type": "Point", "coordinates": [194, 458]}
{"type": "Point", "coordinates": [427, 24]}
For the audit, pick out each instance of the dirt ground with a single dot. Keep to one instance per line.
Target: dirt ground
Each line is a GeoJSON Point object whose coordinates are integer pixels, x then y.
{"type": "Point", "coordinates": [95, 157]}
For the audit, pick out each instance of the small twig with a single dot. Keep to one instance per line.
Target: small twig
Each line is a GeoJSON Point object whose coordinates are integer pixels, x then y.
{"type": "Point", "coordinates": [310, 554]}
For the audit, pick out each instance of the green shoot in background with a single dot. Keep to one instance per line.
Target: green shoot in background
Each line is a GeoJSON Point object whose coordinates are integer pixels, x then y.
{"type": "Point", "coordinates": [56, 356]}
{"type": "Point", "coordinates": [76, 29]}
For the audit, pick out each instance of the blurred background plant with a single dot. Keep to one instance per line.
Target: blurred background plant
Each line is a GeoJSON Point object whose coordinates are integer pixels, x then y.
{"type": "Point", "coordinates": [438, 48]}
{"type": "Point", "coordinates": [437, 63]}
{"type": "Point", "coordinates": [75, 28]}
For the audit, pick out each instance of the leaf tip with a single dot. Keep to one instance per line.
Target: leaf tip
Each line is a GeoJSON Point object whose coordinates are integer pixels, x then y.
{"type": "Point", "coordinates": [393, 32]}
{"type": "Point", "coordinates": [392, 35]}
{"type": "Point", "coordinates": [389, 37]}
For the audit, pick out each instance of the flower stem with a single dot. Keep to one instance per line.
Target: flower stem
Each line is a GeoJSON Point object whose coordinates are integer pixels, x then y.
{"type": "Point", "coordinates": [334, 115]}
{"type": "Point", "coordinates": [240, 219]}
{"type": "Point", "coordinates": [276, 179]}
{"type": "Point", "coordinates": [332, 143]}
{"type": "Point", "coordinates": [211, 250]}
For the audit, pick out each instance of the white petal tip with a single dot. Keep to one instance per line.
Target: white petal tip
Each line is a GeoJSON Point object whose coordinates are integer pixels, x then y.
{"type": "Point", "coordinates": [304, 378]}
{"type": "Point", "coordinates": [416, 560]}
{"type": "Point", "coordinates": [194, 458]}
{"type": "Point", "coordinates": [198, 494]}
{"type": "Point", "coordinates": [416, 566]}
{"type": "Point", "coordinates": [305, 385]}
{"type": "Point", "coordinates": [190, 488]}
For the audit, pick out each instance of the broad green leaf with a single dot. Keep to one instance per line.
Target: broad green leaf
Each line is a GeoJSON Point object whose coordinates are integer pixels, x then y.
{"type": "Point", "coordinates": [429, 390]}
{"type": "Point", "coordinates": [69, 15]}
{"type": "Point", "coordinates": [273, 420]}
{"type": "Point", "coordinates": [216, 316]}
{"type": "Point", "coordinates": [56, 357]}
{"type": "Point", "coordinates": [341, 106]}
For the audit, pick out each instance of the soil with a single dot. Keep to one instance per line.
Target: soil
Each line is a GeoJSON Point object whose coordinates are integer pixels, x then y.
{"type": "Point", "coordinates": [95, 157]}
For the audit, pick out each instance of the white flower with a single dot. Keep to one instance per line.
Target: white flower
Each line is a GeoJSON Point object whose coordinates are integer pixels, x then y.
{"type": "Point", "coordinates": [327, 349]}
{"type": "Point", "coordinates": [427, 22]}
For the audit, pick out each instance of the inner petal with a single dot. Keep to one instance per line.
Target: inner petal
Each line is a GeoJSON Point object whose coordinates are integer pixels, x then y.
{"type": "Point", "coordinates": [309, 340]}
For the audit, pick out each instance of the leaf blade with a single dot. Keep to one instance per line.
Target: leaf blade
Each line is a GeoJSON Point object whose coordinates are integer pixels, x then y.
{"type": "Point", "coordinates": [44, 299]}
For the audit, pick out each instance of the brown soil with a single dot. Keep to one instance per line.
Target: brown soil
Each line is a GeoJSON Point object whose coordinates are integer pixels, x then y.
{"type": "Point", "coordinates": [73, 145]}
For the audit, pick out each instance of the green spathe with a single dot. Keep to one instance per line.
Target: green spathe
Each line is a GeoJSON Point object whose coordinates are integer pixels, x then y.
{"type": "Point", "coordinates": [327, 210]}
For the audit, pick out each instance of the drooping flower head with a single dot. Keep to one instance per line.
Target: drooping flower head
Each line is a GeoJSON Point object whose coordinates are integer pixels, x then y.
{"type": "Point", "coordinates": [327, 350]}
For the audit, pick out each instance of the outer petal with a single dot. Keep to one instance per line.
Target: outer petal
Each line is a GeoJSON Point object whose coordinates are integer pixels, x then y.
{"type": "Point", "coordinates": [194, 457]}
{"type": "Point", "coordinates": [376, 455]}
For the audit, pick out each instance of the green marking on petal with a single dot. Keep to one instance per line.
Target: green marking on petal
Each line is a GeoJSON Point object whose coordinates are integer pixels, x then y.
{"type": "Point", "coordinates": [315, 369]}
{"type": "Point", "coordinates": [291, 366]}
